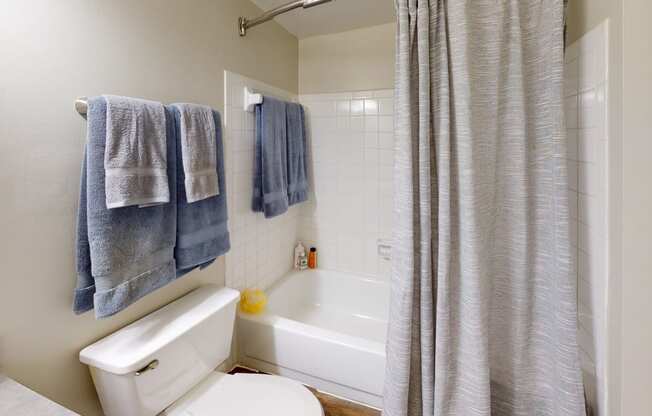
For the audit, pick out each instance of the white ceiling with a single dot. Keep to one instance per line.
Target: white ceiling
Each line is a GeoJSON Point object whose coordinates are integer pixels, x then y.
{"type": "Point", "coordinates": [336, 16]}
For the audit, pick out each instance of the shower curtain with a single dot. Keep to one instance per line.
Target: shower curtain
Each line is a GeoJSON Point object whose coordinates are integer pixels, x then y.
{"type": "Point", "coordinates": [483, 305]}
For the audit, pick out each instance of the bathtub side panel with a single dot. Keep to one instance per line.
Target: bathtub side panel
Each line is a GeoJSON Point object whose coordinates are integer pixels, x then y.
{"type": "Point", "coordinates": [347, 364]}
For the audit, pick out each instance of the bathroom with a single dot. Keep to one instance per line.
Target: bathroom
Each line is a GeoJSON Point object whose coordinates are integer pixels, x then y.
{"type": "Point", "coordinates": [345, 329]}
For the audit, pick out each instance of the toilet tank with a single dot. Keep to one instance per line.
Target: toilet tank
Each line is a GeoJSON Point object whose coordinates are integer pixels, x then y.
{"type": "Point", "coordinates": [144, 367]}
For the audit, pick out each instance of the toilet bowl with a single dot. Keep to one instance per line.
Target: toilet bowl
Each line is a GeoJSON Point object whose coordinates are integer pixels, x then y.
{"type": "Point", "coordinates": [164, 364]}
{"type": "Point", "coordinates": [246, 394]}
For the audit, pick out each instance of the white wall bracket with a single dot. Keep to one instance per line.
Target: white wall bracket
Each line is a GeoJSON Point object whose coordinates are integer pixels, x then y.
{"type": "Point", "coordinates": [251, 99]}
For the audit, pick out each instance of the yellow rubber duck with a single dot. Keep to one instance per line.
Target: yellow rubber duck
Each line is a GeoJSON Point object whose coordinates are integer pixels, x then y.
{"type": "Point", "coordinates": [253, 301]}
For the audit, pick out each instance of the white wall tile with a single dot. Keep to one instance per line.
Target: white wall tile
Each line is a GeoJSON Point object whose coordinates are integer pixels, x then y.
{"type": "Point", "coordinates": [357, 107]}
{"type": "Point", "coordinates": [386, 106]}
{"type": "Point", "coordinates": [586, 91]}
{"type": "Point", "coordinates": [572, 78]}
{"type": "Point", "coordinates": [572, 145]}
{"type": "Point", "coordinates": [371, 124]}
{"type": "Point", "coordinates": [253, 260]}
{"type": "Point", "coordinates": [352, 204]}
{"type": "Point", "coordinates": [371, 107]}
{"type": "Point", "coordinates": [571, 108]}
{"type": "Point", "coordinates": [357, 124]}
{"type": "Point", "coordinates": [386, 124]}
{"type": "Point", "coordinates": [343, 107]}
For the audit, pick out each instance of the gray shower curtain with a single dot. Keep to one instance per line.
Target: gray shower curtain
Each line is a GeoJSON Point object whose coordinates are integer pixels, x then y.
{"type": "Point", "coordinates": [483, 305]}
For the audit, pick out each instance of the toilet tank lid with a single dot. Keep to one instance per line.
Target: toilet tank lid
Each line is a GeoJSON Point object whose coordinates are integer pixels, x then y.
{"type": "Point", "coordinates": [131, 348]}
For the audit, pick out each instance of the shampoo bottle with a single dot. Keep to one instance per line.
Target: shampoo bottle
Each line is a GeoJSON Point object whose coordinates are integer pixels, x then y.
{"type": "Point", "coordinates": [299, 253]}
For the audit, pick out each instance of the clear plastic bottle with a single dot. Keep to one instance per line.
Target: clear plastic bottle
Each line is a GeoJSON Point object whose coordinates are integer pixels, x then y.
{"type": "Point", "coordinates": [299, 252]}
{"type": "Point", "coordinates": [303, 262]}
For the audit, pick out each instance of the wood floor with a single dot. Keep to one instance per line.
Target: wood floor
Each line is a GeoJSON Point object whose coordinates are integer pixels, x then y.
{"type": "Point", "coordinates": [333, 406]}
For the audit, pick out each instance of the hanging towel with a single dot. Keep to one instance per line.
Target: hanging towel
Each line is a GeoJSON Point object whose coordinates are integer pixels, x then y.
{"type": "Point", "coordinates": [202, 232]}
{"type": "Point", "coordinates": [297, 155]}
{"type": "Point", "coordinates": [197, 138]}
{"type": "Point", "coordinates": [270, 164]}
{"type": "Point", "coordinates": [125, 253]}
{"type": "Point", "coordinates": [135, 157]}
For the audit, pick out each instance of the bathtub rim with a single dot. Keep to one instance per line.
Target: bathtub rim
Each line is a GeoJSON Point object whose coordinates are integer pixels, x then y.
{"type": "Point", "coordinates": [314, 331]}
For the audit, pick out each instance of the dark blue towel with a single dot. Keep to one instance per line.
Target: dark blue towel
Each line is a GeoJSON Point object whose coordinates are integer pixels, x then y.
{"type": "Point", "coordinates": [297, 155]}
{"type": "Point", "coordinates": [123, 253]}
{"type": "Point", "coordinates": [270, 161]}
{"type": "Point", "coordinates": [202, 232]}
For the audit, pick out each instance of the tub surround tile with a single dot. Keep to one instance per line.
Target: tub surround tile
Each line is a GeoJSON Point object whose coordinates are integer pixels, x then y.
{"type": "Point", "coordinates": [351, 143]}
{"type": "Point", "coordinates": [261, 250]}
{"type": "Point", "coordinates": [353, 179]}
{"type": "Point", "coordinates": [586, 90]}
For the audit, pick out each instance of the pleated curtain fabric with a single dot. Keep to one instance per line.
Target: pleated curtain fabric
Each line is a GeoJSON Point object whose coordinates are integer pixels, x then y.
{"type": "Point", "coordinates": [483, 317]}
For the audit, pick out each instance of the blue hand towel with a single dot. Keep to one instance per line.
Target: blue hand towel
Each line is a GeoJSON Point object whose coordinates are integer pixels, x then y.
{"type": "Point", "coordinates": [124, 253]}
{"type": "Point", "coordinates": [270, 163]}
{"type": "Point", "coordinates": [202, 232]}
{"type": "Point", "coordinates": [297, 155]}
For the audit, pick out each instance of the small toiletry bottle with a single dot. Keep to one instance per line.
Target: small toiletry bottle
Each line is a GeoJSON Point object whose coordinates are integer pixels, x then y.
{"type": "Point", "coordinates": [299, 251]}
{"type": "Point", "coordinates": [312, 258]}
{"type": "Point", "coordinates": [303, 261]}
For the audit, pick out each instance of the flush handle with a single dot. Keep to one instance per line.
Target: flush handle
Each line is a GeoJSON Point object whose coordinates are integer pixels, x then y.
{"type": "Point", "coordinates": [152, 365]}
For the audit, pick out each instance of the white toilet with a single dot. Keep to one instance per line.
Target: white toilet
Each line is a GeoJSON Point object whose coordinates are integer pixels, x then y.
{"type": "Point", "coordinates": [165, 364]}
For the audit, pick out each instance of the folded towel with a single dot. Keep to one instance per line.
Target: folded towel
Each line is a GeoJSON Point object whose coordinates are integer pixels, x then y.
{"type": "Point", "coordinates": [202, 232]}
{"type": "Point", "coordinates": [270, 164]}
{"type": "Point", "coordinates": [135, 157]}
{"type": "Point", "coordinates": [297, 155]}
{"type": "Point", "coordinates": [197, 137]}
{"type": "Point", "coordinates": [122, 254]}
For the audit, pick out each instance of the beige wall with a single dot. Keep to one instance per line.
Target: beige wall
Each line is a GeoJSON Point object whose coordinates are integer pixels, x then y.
{"type": "Point", "coordinates": [52, 52]}
{"type": "Point", "coordinates": [584, 15]}
{"type": "Point", "coordinates": [637, 209]}
{"type": "Point", "coordinates": [361, 59]}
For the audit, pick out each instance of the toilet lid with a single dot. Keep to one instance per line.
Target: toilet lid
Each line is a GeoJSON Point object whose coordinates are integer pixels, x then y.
{"type": "Point", "coordinates": [222, 394]}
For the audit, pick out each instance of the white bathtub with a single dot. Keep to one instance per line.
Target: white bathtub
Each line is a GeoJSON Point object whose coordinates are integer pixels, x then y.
{"type": "Point", "coordinates": [324, 328]}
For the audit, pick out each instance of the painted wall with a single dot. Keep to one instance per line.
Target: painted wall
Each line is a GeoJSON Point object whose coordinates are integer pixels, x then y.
{"type": "Point", "coordinates": [637, 206]}
{"type": "Point", "coordinates": [53, 52]}
{"type": "Point", "coordinates": [361, 59]}
{"type": "Point", "coordinates": [584, 15]}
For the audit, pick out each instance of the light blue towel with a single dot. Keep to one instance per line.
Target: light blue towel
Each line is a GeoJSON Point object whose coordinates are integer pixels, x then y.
{"type": "Point", "coordinates": [196, 134]}
{"type": "Point", "coordinates": [297, 155]}
{"type": "Point", "coordinates": [270, 162]}
{"type": "Point", "coordinates": [202, 232]}
{"type": "Point", "coordinates": [123, 253]}
{"type": "Point", "coordinates": [135, 161]}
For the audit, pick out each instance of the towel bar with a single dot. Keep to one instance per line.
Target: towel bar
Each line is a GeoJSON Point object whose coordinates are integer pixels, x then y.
{"type": "Point", "coordinates": [81, 105]}
{"type": "Point", "coordinates": [250, 100]}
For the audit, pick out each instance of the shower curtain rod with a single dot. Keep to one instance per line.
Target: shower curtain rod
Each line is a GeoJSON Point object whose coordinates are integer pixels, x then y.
{"type": "Point", "coordinates": [244, 23]}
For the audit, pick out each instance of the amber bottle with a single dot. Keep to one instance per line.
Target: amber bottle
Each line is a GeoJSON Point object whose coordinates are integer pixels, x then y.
{"type": "Point", "coordinates": [312, 258]}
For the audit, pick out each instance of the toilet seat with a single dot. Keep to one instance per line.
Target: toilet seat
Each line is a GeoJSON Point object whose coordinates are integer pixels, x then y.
{"type": "Point", "coordinates": [222, 394]}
